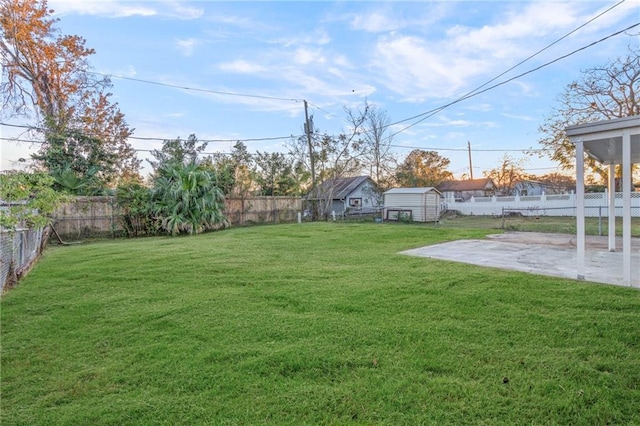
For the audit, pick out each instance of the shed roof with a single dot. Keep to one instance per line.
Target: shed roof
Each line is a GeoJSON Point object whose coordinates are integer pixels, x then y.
{"type": "Point", "coordinates": [422, 190]}
{"type": "Point", "coordinates": [466, 185]}
{"type": "Point", "coordinates": [603, 140]}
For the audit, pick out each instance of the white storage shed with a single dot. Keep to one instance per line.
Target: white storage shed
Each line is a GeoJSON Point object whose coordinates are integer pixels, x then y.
{"type": "Point", "coordinates": [417, 204]}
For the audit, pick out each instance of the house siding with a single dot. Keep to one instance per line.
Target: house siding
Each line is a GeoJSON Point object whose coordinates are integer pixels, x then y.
{"type": "Point", "coordinates": [366, 193]}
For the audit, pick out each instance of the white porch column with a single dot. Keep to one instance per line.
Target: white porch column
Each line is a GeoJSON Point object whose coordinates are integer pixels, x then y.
{"type": "Point", "coordinates": [612, 207]}
{"type": "Point", "coordinates": [626, 205]}
{"type": "Point", "coordinates": [580, 241]}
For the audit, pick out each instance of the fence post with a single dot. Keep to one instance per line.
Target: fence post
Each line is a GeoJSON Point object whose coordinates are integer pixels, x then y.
{"type": "Point", "coordinates": [502, 227]}
{"type": "Point", "coordinates": [600, 220]}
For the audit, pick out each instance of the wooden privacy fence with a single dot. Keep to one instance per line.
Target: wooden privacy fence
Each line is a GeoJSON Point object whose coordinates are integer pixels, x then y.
{"type": "Point", "coordinates": [100, 216]}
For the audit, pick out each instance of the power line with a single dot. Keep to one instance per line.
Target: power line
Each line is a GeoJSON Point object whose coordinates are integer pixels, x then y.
{"type": "Point", "coordinates": [468, 94]}
{"type": "Point", "coordinates": [195, 89]}
{"type": "Point", "coordinates": [475, 150]}
{"type": "Point", "coordinates": [471, 94]}
{"type": "Point", "coordinates": [138, 149]}
{"type": "Point", "coordinates": [547, 47]}
{"type": "Point", "coordinates": [23, 126]}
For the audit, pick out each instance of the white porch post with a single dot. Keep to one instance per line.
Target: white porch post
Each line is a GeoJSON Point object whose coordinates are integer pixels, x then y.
{"type": "Point", "coordinates": [580, 241]}
{"type": "Point", "coordinates": [612, 207]}
{"type": "Point", "coordinates": [626, 205]}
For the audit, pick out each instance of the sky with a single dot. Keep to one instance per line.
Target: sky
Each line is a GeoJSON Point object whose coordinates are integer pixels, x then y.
{"type": "Point", "coordinates": [228, 71]}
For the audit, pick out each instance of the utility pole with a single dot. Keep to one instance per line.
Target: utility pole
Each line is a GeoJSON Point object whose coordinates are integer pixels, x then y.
{"type": "Point", "coordinates": [308, 129]}
{"type": "Point", "coordinates": [470, 164]}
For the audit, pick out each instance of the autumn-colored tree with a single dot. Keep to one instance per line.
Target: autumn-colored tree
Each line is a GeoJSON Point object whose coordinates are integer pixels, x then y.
{"type": "Point", "coordinates": [423, 169]}
{"type": "Point", "coordinates": [48, 74]}
{"type": "Point", "coordinates": [602, 93]}
{"type": "Point", "coordinates": [507, 174]}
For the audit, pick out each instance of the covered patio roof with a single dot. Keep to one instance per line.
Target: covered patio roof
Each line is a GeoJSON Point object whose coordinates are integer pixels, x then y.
{"type": "Point", "coordinates": [603, 140]}
{"type": "Point", "coordinates": [610, 142]}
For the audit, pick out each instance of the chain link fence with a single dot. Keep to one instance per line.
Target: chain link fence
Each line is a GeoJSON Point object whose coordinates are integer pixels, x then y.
{"type": "Point", "coordinates": [19, 249]}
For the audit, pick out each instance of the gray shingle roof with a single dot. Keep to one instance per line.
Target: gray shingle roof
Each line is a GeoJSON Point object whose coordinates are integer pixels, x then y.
{"type": "Point", "coordinates": [466, 185]}
{"type": "Point", "coordinates": [342, 187]}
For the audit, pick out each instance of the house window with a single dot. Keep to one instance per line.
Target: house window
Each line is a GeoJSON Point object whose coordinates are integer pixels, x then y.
{"type": "Point", "coordinates": [355, 202]}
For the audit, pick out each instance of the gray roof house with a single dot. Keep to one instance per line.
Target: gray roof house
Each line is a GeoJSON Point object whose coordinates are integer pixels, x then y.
{"type": "Point", "coordinates": [352, 194]}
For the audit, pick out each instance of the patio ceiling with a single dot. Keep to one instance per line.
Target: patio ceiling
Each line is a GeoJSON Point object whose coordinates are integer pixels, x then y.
{"type": "Point", "coordinates": [603, 140]}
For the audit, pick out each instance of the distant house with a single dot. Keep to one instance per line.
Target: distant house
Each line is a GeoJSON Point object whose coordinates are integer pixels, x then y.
{"type": "Point", "coordinates": [463, 190]}
{"type": "Point", "coordinates": [530, 187]}
{"type": "Point", "coordinates": [414, 204]}
{"type": "Point", "coordinates": [345, 195]}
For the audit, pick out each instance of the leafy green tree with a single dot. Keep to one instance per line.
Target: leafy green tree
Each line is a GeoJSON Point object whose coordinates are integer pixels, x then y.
{"type": "Point", "coordinates": [186, 199]}
{"type": "Point", "coordinates": [277, 174]}
{"type": "Point", "coordinates": [224, 169]}
{"type": "Point", "coordinates": [79, 164]}
{"type": "Point", "coordinates": [177, 151]}
{"type": "Point", "coordinates": [137, 216]}
{"type": "Point", "coordinates": [30, 199]}
{"type": "Point", "coordinates": [423, 169]}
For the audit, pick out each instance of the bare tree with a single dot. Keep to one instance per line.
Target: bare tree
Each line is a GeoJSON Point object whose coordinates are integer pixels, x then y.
{"type": "Point", "coordinates": [602, 93]}
{"type": "Point", "coordinates": [335, 157]}
{"type": "Point", "coordinates": [378, 157]}
{"type": "Point", "coordinates": [507, 174]}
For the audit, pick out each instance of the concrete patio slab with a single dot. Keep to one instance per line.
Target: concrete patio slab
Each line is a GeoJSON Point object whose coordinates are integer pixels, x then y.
{"type": "Point", "coordinates": [538, 253]}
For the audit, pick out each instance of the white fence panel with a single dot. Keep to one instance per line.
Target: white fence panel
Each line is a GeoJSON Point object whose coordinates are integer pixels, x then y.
{"type": "Point", "coordinates": [596, 205]}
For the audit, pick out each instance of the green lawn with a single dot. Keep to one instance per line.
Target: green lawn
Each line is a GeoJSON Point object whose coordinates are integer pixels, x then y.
{"type": "Point", "coordinates": [319, 323]}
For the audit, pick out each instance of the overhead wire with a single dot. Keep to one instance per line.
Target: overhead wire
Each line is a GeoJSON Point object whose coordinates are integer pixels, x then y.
{"type": "Point", "coordinates": [24, 126]}
{"type": "Point", "coordinates": [393, 146]}
{"type": "Point", "coordinates": [425, 115]}
{"type": "Point", "coordinates": [195, 89]}
{"type": "Point", "coordinates": [477, 91]}
{"type": "Point", "coordinates": [474, 93]}
{"type": "Point", "coordinates": [135, 149]}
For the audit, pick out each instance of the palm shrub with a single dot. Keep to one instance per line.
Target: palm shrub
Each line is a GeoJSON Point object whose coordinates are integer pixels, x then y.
{"type": "Point", "coordinates": [186, 199]}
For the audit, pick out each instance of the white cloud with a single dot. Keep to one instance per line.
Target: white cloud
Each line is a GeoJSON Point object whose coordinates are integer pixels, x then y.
{"type": "Point", "coordinates": [375, 22]}
{"type": "Point", "coordinates": [303, 56]}
{"type": "Point", "coordinates": [318, 37]}
{"type": "Point", "coordinates": [417, 69]}
{"type": "Point", "coordinates": [187, 46]}
{"type": "Point", "coordinates": [109, 8]}
{"type": "Point", "coordinates": [123, 9]}
{"type": "Point", "coordinates": [520, 117]}
{"type": "Point", "coordinates": [389, 17]}
{"type": "Point", "coordinates": [241, 66]}
{"type": "Point", "coordinates": [180, 11]}
{"type": "Point", "coordinates": [480, 107]}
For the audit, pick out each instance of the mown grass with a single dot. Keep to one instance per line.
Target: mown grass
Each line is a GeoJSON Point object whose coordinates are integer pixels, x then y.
{"type": "Point", "coordinates": [311, 324]}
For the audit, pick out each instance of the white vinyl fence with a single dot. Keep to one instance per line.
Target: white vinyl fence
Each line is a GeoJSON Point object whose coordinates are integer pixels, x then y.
{"type": "Point", "coordinates": [596, 205]}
